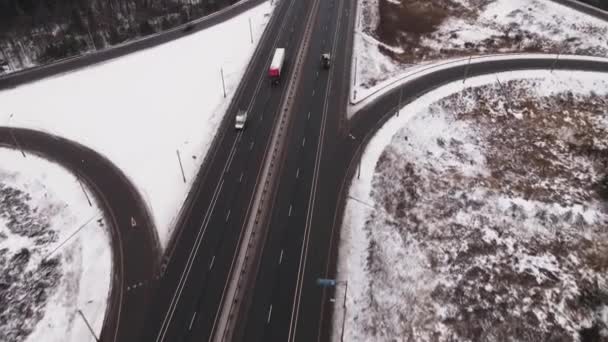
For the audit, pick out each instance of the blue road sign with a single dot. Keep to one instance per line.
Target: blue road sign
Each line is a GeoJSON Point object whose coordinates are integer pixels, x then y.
{"type": "Point", "coordinates": [326, 282]}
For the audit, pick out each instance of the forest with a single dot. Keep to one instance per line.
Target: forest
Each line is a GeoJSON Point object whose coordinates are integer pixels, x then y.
{"type": "Point", "coordinates": [34, 32]}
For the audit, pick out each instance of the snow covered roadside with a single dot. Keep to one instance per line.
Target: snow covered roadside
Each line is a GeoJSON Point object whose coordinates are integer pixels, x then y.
{"type": "Point", "coordinates": [386, 45]}
{"type": "Point", "coordinates": [480, 216]}
{"type": "Point", "coordinates": [139, 110]}
{"type": "Point", "coordinates": [360, 96]}
{"type": "Point", "coordinates": [55, 256]}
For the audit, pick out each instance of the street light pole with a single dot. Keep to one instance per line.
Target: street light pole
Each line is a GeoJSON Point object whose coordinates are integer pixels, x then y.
{"type": "Point", "coordinates": [399, 103]}
{"type": "Point", "coordinates": [324, 282]}
{"type": "Point", "coordinates": [344, 309]}
{"type": "Point", "coordinates": [88, 325]}
{"type": "Point", "coordinates": [10, 131]}
{"type": "Point", "coordinates": [250, 31]}
{"type": "Point", "coordinates": [466, 70]}
{"type": "Point", "coordinates": [555, 61]}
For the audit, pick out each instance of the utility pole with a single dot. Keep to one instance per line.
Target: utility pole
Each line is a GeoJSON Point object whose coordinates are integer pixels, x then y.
{"type": "Point", "coordinates": [324, 282]}
{"type": "Point", "coordinates": [555, 61]}
{"type": "Point", "coordinates": [181, 166]}
{"type": "Point", "coordinates": [399, 102]}
{"type": "Point", "coordinates": [69, 237]}
{"type": "Point", "coordinates": [88, 325]}
{"type": "Point", "coordinates": [91, 37]}
{"type": "Point", "coordinates": [223, 83]}
{"type": "Point", "coordinates": [84, 191]}
{"type": "Point", "coordinates": [10, 130]}
{"type": "Point", "coordinates": [250, 31]}
{"type": "Point", "coordinates": [343, 308]}
{"type": "Point", "coordinates": [355, 73]}
{"type": "Point", "coordinates": [466, 70]}
{"type": "Point", "coordinates": [504, 92]}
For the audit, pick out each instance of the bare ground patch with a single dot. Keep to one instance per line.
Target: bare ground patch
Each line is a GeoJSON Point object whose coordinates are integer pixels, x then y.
{"type": "Point", "coordinates": [490, 223]}
{"type": "Point", "coordinates": [413, 31]}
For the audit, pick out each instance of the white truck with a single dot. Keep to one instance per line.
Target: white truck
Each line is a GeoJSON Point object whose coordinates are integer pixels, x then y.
{"type": "Point", "coordinates": [276, 65]}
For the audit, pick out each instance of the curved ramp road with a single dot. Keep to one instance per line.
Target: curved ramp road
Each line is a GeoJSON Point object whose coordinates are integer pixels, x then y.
{"type": "Point", "coordinates": [345, 156]}
{"type": "Point", "coordinates": [583, 7]}
{"type": "Point", "coordinates": [135, 249]}
{"type": "Point", "coordinates": [70, 64]}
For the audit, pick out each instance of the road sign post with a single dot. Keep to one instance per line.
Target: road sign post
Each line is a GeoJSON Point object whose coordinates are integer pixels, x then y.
{"type": "Point", "coordinates": [88, 325]}
{"type": "Point", "coordinates": [324, 282]}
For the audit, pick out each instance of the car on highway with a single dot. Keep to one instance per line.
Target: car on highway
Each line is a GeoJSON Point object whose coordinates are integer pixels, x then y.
{"type": "Point", "coordinates": [241, 118]}
{"type": "Point", "coordinates": [326, 60]}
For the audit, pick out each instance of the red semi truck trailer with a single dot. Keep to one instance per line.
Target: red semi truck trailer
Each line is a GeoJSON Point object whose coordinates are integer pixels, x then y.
{"type": "Point", "coordinates": [276, 65]}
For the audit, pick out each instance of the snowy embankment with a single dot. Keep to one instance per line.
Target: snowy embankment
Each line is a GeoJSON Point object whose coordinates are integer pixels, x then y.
{"type": "Point", "coordinates": [392, 37]}
{"type": "Point", "coordinates": [480, 214]}
{"type": "Point", "coordinates": [141, 109]}
{"type": "Point", "coordinates": [54, 254]}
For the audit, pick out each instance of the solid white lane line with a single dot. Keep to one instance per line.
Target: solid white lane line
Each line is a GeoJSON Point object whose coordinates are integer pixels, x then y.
{"type": "Point", "coordinates": [184, 276]}
{"type": "Point", "coordinates": [232, 153]}
{"type": "Point", "coordinates": [281, 257]}
{"type": "Point", "coordinates": [192, 321]}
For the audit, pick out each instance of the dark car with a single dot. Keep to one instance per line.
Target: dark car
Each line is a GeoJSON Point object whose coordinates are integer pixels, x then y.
{"type": "Point", "coordinates": [326, 60]}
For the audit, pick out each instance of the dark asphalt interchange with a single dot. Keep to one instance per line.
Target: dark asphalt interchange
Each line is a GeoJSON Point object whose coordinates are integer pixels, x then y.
{"type": "Point", "coordinates": [135, 250]}
{"type": "Point", "coordinates": [322, 151]}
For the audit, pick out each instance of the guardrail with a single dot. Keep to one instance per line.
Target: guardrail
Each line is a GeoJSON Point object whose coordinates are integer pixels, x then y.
{"type": "Point", "coordinates": [423, 70]}
{"type": "Point", "coordinates": [585, 8]}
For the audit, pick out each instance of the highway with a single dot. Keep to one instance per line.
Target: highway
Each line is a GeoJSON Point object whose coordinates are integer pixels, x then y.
{"type": "Point", "coordinates": [185, 292]}
{"type": "Point", "coordinates": [199, 261]}
{"type": "Point", "coordinates": [276, 311]}
{"type": "Point", "coordinates": [135, 250]}
{"type": "Point", "coordinates": [323, 150]}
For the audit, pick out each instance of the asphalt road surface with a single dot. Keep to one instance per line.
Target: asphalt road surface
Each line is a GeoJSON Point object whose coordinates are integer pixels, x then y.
{"type": "Point", "coordinates": [306, 217]}
{"type": "Point", "coordinates": [198, 264]}
{"type": "Point", "coordinates": [279, 312]}
{"type": "Point", "coordinates": [135, 249]}
{"type": "Point", "coordinates": [321, 155]}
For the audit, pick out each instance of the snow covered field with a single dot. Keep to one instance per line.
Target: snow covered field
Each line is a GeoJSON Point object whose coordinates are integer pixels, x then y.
{"type": "Point", "coordinates": [139, 110]}
{"type": "Point", "coordinates": [481, 215]}
{"type": "Point", "coordinates": [54, 253]}
{"type": "Point", "coordinates": [394, 35]}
